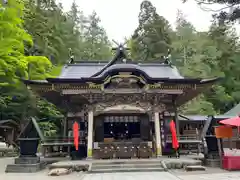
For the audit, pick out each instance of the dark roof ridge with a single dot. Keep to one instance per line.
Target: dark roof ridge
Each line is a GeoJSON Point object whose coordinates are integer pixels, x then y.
{"type": "Point", "coordinates": [119, 54]}
{"type": "Point", "coordinates": [140, 64]}
{"type": "Point", "coordinates": [90, 61]}
{"type": "Point", "coordinates": [129, 61]}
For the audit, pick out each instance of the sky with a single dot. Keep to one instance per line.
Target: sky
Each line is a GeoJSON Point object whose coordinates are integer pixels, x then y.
{"type": "Point", "coordinates": [120, 17]}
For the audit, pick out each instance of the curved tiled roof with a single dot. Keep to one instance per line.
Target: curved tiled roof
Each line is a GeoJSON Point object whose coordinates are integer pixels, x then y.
{"type": "Point", "coordinates": [83, 70]}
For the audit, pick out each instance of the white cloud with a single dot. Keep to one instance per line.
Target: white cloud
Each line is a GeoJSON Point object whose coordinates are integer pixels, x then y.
{"type": "Point", "coordinates": [120, 17]}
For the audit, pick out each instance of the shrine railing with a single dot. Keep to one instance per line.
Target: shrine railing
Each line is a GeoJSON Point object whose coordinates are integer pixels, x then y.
{"type": "Point", "coordinates": [184, 138]}
{"type": "Point", "coordinates": [61, 141]}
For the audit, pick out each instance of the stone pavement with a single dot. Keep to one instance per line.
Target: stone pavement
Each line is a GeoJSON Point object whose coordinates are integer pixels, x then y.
{"type": "Point", "coordinates": [121, 176]}
{"type": "Point", "coordinates": [216, 176]}
{"type": "Point", "coordinates": [131, 176]}
{"type": "Point", "coordinates": [39, 176]}
{"type": "Point", "coordinates": [162, 176]}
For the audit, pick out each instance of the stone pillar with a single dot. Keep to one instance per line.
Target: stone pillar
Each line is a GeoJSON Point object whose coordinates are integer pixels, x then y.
{"type": "Point", "coordinates": [157, 134]}
{"type": "Point", "coordinates": [90, 134]}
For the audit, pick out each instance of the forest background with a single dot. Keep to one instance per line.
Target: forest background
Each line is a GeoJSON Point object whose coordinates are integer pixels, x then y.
{"type": "Point", "coordinates": [35, 37]}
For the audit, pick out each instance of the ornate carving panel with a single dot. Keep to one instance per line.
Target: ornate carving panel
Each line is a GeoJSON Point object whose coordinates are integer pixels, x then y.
{"type": "Point", "coordinates": [124, 80]}
{"type": "Point", "coordinates": [99, 102]}
{"type": "Point", "coordinates": [123, 83]}
{"type": "Point", "coordinates": [146, 102]}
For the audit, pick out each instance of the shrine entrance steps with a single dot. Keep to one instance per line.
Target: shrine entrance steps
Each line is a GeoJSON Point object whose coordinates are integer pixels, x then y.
{"type": "Point", "coordinates": [126, 165]}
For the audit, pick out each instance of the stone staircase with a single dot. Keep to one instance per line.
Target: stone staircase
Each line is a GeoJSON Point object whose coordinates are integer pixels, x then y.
{"type": "Point", "coordinates": [126, 166]}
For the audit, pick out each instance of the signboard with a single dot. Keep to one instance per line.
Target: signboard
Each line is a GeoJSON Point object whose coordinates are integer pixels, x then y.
{"type": "Point", "coordinates": [223, 132]}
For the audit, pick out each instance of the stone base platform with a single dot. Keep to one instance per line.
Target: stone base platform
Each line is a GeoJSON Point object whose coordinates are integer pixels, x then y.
{"type": "Point", "coordinates": [26, 165]}
{"type": "Point", "coordinates": [126, 165]}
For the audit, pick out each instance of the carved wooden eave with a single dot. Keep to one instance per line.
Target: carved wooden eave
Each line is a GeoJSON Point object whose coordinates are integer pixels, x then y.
{"type": "Point", "coordinates": [122, 91]}
{"type": "Point", "coordinates": [98, 88]}
{"type": "Point", "coordinates": [123, 98]}
{"type": "Point", "coordinates": [93, 93]}
{"type": "Point", "coordinates": [190, 94]}
{"type": "Point", "coordinates": [120, 81]}
{"type": "Point", "coordinates": [93, 88]}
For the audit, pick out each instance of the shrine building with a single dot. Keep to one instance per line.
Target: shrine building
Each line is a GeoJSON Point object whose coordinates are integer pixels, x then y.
{"type": "Point", "coordinates": [123, 107]}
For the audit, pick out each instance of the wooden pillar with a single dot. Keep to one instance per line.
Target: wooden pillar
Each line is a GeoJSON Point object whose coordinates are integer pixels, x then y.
{"type": "Point", "coordinates": [65, 128]}
{"type": "Point", "coordinates": [157, 134]}
{"type": "Point", "coordinates": [90, 134]}
{"type": "Point", "coordinates": [177, 122]}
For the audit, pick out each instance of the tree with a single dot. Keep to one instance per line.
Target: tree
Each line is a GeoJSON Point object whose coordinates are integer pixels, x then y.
{"type": "Point", "coordinates": [209, 54]}
{"type": "Point", "coordinates": [13, 38]}
{"type": "Point", "coordinates": [152, 36]}
{"type": "Point", "coordinates": [96, 43]}
{"type": "Point", "coordinates": [183, 41]}
{"type": "Point", "coordinates": [44, 22]}
{"type": "Point", "coordinates": [191, 54]}
{"type": "Point", "coordinates": [72, 30]}
{"type": "Point", "coordinates": [229, 11]}
{"type": "Point", "coordinates": [225, 95]}
{"type": "Point", "coordinates": [17, 102]}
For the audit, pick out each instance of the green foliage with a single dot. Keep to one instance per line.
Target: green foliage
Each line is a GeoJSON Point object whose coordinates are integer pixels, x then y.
{"type": "Point", "coordinates": [211, 54]}
{"type": "Point", "coordinates": [55, 71]}
{"type": "Point", "coordinates": [196, 54]}
{"type": "Point", "coordinates": [228, 12]}
{"type": "Point", "coordinates": [54, 32]}
{"type": "Point", "coordinates": [50, 117]}
{"type": "Point", "coordinates": [36, 34]}
{"type": "Point", "coordinates": [151, 39]}
{"type": "Point", "coordinates": [12, 39]}
{"type": "Point", "coordinates": [198, 106]}
{"type": "Point", "coordinates": [33, 36]}
{"type": "Point", "coordinates": [96, 43]}
{"type": "Point", "coordinates": [17, 102]}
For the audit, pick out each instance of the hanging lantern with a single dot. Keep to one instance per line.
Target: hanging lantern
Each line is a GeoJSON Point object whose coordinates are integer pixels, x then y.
{"type": "Point", "coordinates": [76, 134]}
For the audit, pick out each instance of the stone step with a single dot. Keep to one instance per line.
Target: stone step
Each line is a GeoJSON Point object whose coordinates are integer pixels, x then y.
{"type": "Point", "coordinates": [212, 162]}
{"type": "Point", "coordinates": [27, 160]}
{"type": "Point", "coordinates": [110, 166]}
{"type": "Point", "coordinates": [127, 161]}
{"type": "Point", "coordinates": [195, 168]}
{"type": "Point", "coordinates": [25, 168]}
{"type": "Point", "coordinates": [126, 169]}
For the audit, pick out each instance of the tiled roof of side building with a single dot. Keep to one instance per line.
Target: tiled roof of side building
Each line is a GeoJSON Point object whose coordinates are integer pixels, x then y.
{"type": "Point", "coordinates": [235, 111]}
{"type": "Point", "coordinates": [83, 70]}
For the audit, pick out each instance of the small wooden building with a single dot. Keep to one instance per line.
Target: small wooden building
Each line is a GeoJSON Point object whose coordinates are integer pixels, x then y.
{"type": "Point", "coordinates": [123, 107]}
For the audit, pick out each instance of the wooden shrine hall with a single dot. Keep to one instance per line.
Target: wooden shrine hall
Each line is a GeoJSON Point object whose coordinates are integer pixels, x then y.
{"type": "Point", "coordinates": [123, 107]}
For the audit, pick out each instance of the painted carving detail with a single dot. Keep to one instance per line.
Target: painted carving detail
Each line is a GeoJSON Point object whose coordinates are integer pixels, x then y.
{"type": "Point", "coordinates": [146, 103]}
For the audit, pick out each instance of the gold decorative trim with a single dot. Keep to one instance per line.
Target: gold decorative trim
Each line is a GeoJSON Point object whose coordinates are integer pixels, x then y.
{"type": "Point", "coordinates": [171, 86]}
{"type": "Point", "coordinates": [94, 86]}
{"type": "Point", "coordinates": [109, 78]}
